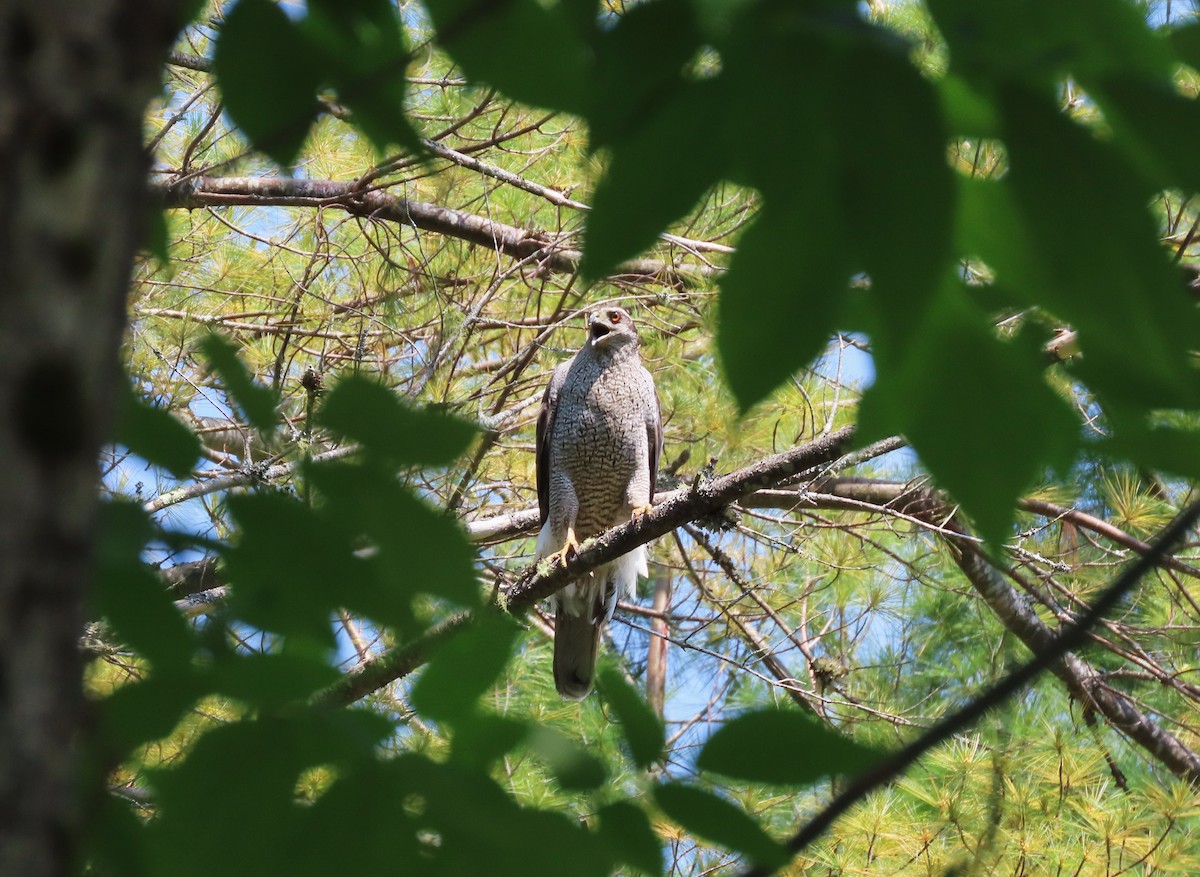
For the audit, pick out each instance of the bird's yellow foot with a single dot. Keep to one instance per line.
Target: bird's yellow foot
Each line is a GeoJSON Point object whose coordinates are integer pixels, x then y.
{"type": "Point", "coordinates": [640, 511]}
{"type": "Point", "coordinates": [570, 548]}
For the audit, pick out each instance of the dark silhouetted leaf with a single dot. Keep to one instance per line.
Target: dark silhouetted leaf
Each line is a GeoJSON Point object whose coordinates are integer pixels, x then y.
{"type": "Point", "coordinates": [574, 768]}
{"type": "Point", "coordinates": [721, 822]}
{"type": "Point", "coordinates": [145, 710]}
{"type": "Point", "coordinates": [1154, 125]}
{"type": "Point", "coordinates": [1097, 243]}
{"type": "Point", "coordinates": [642, 728]}
{"type": "Point", "coordinates": [1158, 448]}
{"type": "Point", "coordinates": [627, 829]}
{"type": "Point", "coordinates": [773, 321]}
{"type": "Point", "coordinates": [465, 667]}
{"type": "Point", "coordinates": [130, 597]}
{"type": "Point", "coordinates": [257, 402]}
{"type": "Point", "coordinates": [782, 747]}
{"type": "Point", "coordinates": [420, 550]}
{"type": "Point", "coordinates": [270, 681]}
{"type": "Point", "coordinates": [289, 568]}
{"type": "Point", "coordinates": [644, 188]}
{"type": "Point", "coordinates": [155, 434]}
{"type": "Point", "coordinates": [662, 36]}
{"type": "Point", "coordinates": [483, 739]}
{"type": "Point", "coordinates": [902, 221]}
{"type": "Point", "coordinates": [363, 57]}
{"type": "Point", "coordinates": [389, 429]}
{"type": "Point", "coordinates": [252, 822]}
{"type": "Point", "coordinates": [267, 77]}
{"type": "Point", "coordinates": [1041, 43]}
{"type": "Point", "coordinates": [553, 76]}
{"type": "Point", "coordinates": [1186, 43]}
{"type": "Point", "coordinates": [962, 396]}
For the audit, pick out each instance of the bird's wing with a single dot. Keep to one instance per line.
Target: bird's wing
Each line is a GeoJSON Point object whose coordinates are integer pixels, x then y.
{"type": "Point", "coordinates": [545, 429]}
{"type": "Point", "coordinates": [654, 431]}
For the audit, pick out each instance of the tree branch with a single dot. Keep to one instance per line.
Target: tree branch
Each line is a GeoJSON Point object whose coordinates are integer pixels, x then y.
{"type": "Point", "coordinates": [539, 581]}
{"type": "Point", "coordinates": [1054, 650]}
{"type": "Point", "coordinates": [550, 249]}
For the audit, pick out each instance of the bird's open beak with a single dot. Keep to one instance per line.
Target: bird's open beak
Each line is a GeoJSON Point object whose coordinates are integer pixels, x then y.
{"type": "Point", "coordinates": [599, 330]}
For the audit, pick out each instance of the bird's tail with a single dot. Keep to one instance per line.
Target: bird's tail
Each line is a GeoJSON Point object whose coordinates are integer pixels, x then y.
{"type": "Point", "coordinates": [581, 611]}
{"type": "Point", "coordinates": [576, 642]}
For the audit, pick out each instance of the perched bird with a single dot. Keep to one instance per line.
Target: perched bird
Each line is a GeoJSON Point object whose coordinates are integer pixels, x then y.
{"type": "Point", "coordinates": [599, 437]}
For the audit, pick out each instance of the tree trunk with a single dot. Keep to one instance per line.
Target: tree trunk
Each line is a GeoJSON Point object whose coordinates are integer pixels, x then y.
{"type": "Point", "coordinates": [74, 78]}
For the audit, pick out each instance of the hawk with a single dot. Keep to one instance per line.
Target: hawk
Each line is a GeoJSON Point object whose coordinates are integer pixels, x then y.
{"type": "Point", "coordinates": [599, 437]}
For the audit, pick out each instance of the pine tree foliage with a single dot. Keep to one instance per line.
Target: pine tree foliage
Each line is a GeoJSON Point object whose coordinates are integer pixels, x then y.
{"type": "Point", "coordinates": [326, 705]}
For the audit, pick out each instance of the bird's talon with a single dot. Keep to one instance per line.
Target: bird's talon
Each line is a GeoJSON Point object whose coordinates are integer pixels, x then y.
{"type": "Point", "coordinates": [640, 512]}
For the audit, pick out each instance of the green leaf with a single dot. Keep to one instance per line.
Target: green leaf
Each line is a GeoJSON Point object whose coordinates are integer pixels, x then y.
{"type": "Point", "coordinates": [627, 829]}
{"type": "Point", "coordinates": [644, 189]}
{"type": "Point", "coordinates": [464, 668]}
{"type": "Point", "coordinates": [1096, 243]}
{"type": "Point", "coordinates": [782, 747]}
{"type": "Point", "coordinates": [270, 681]}
{"type": "Point", "coordinates": [643, 730]}
{"type": "Point", "coordinates": [130, 597]}
{"type": "Point", "coordinates": [369, 413]}
{"type": "Point", "coordinates": [721, 822]}
{"type": "Point", "coordinates": [1157, 448]}
{"type": "Point", "coordinates": [267, 77]}
{"type": "Point", "coordinates": [573, 767]}
{"type": "Point", "coordinates": [902, 220]}
{"type": "Point", "coordinates": [251, 823]}
{"type": "Point", "coordinates": [363, 55]}
{"type": "Point", "coordinates": [773, 319]}
{"type": "Point", "coordinates": [257, 402]}
{"type": "Point", "coordinates": [1153, 125]}
{"type": "Point", "coordinates": [484, 739]}
{"type": "Point", "coordinates": [289, 568]}
{"type": "Point", "coordinates": [642, 58]}
{"type": "Point", "coordinates": [1040, 43]}
{"type": "Point", "coordinates": [419, 549]}
{"type": "Point", "coordinates": [154, 433]}
{"type": "Point", "coordinates": [157, 235]}
{"type": "Point", "coordinates": [145, 710]}
{"type": "Point", "coordinates": [962, 396]}
{"type": "Point", "coordinates": [1186, 43]}
{"type": "Point", "coordinates": [554, 76]}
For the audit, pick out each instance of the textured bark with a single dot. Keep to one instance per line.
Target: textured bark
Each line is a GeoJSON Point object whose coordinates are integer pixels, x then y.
{"type": "Point", "coordinates": [550, 251]}
{"type": "Point", "coordinates": [75, 78]}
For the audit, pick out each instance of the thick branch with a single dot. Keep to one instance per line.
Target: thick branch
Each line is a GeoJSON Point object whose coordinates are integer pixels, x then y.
{"type": "Point", "coordinates": [1056, 648]}
{"type": "Point", "coordinates": [540, 580]}
{"type": "Point", "coordinates": [550, 250]}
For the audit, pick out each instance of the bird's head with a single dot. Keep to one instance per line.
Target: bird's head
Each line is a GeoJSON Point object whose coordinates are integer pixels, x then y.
{"type": "Point", "coordinates": [611, 328]}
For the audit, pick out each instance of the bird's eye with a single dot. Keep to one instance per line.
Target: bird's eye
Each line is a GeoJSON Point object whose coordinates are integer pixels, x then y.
{"type": "Point", "coordinates": [615, 316]}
